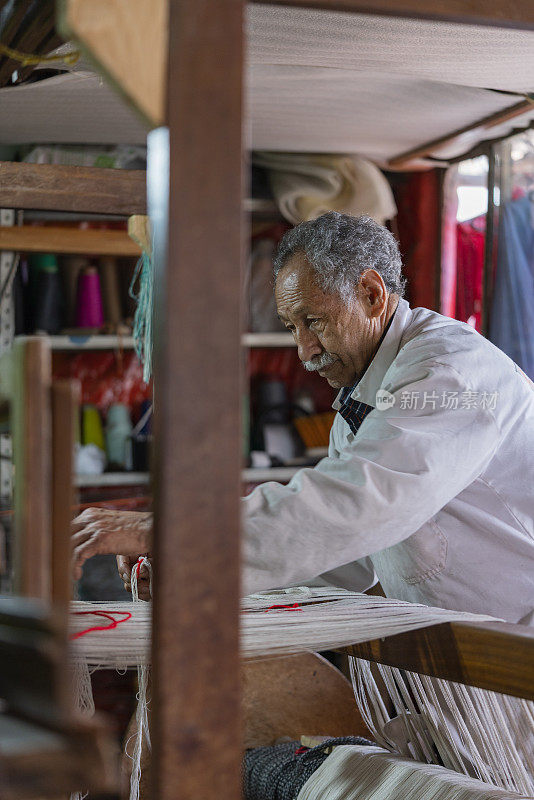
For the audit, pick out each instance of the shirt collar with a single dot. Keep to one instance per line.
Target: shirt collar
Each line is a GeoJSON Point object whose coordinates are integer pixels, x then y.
{"type": "Point", "coordinates": [366, 388]}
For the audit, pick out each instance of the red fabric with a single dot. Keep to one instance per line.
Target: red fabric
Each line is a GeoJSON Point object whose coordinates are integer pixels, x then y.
{"type": "Point", "coordinates": [283, 363]}
{"type": "Point", "coordinates": [417, 196]}
{"type": "Point", "coordinates": [106, 377]}
{"type": "Point", "coordinates": [471, 236]}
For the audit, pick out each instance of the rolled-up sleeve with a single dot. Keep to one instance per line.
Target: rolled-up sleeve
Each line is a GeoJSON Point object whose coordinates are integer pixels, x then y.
{"type": "Point", "coordinates": [401, 468]}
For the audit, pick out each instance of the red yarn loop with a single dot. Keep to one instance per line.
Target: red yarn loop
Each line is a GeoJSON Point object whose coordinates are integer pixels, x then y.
{"type": "Point", "coordinates": [294, 607]}
{"type": "Point", "coordinates": [110, 615]}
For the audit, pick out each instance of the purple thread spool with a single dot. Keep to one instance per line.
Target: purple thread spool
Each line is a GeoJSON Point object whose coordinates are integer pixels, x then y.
{"type": "Point", "coordinates": [89, 309]}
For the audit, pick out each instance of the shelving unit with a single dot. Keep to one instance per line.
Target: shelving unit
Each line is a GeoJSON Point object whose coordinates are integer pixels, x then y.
{"type": "Point", "coordinates": [57, 194]}
{"type": "Point", "coordinates": [114, 342]}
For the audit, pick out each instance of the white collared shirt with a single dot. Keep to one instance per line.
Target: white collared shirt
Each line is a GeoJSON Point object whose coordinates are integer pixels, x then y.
{"type": "Point", "coordinates": [434, 491]}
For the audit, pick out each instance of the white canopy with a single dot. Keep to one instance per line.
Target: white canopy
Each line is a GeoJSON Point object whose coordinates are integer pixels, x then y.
{"type": "Point", "coordinates": [317, 82]}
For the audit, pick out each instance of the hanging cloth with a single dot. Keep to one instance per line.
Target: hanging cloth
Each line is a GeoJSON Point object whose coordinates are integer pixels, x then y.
{"type": "Point", "coordinates": [512, 313]}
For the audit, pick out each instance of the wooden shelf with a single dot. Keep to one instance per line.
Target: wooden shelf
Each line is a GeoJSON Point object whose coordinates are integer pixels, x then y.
{"type": "Point", "coordinates": [114, 342]}
{"type": "Point", "coordinates": [87, 190]}
{"type": "Point", "coordinates": [57, 187]}
{"type": "Point", "coordinates": [50, 239]}
{"type": "Point", "coordinates": [277, 339]}
{"type": "Point", "coordinates": [91, 342]}
{"type": "Point", "coordinates": [112, 479]}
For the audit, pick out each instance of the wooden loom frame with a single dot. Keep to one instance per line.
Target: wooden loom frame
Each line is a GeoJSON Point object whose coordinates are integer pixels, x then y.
{"type": "Point", "coordinates": [192, 753]}
{"type": "Point", "coordinates": [202, 764]}
{"type": "Point", "coordinates": [196, 702]}
{"type": "Point", "coordinates": [65, 751]}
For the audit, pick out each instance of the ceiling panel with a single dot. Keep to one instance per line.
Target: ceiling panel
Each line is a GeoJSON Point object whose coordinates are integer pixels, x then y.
{"type": "Point", "coordinates": [467, 55]}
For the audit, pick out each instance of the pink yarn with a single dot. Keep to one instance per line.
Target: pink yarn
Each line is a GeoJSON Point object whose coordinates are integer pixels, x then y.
{"type": "Point", "coordinates": [89, 309]}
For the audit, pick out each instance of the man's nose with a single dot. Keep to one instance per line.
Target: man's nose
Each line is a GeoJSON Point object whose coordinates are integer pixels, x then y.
{"type": "Point", "coordinates": [308, 345]}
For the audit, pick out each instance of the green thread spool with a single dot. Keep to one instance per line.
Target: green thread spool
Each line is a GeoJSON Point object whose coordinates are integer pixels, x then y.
{"type": "Point", "coordinates": [92, 431]}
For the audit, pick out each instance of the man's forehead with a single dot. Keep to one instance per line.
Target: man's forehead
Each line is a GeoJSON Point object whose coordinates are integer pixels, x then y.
{"type": "Point", "coordinates": [297, 275]}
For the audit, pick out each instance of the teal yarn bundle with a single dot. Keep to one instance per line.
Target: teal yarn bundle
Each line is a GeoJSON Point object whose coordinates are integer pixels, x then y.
{"type": "Point", "coordinates": [142, 331]}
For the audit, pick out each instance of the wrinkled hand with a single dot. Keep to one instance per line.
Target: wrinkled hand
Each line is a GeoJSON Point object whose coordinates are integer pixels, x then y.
{"type": "Point", "coordinates": [124, 567]}
{"type": "Point", "coordinates": [99, 531]}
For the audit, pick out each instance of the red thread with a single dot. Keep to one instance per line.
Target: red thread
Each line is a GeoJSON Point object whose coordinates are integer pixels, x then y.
{"type": "Point", "coordinates": [138, 567]}
{"type": "Point", "coordinates": [301, 750]}
{"type": "Point", "coordinates": [295, 607]}
{"type": "Point", "coordinates": [108, 615]}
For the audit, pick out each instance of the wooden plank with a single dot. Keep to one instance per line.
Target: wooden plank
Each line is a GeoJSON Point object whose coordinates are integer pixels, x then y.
{"type": "Point", "coordinates": [497, 13]}
{"type": "Point", "coordinates": [38, 762]}
{"type": "Point", "coordinates": [496, 656]}
{"type": "Point", "coordinates": [479, 127]}
{"type": "Point", "coordinates": [54, 187]}
{"type": "Point", "coordinates": [31, 446]}
{"type": "Point", "coordinates": [128, 40]}
{"type": "Point", "coordinates": [65, 408]}
{"type": "Point", "coordinates": [50, 239]}
{"type": "Point", "coordinates": [196, 729]}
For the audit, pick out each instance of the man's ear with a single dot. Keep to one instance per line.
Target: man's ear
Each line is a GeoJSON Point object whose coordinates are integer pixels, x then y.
{"type": "Point", "coordinates": [374, 293]}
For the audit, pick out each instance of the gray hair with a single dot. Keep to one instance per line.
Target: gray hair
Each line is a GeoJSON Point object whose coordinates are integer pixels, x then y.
{"type": "Point", "coordinates": [339, 248]}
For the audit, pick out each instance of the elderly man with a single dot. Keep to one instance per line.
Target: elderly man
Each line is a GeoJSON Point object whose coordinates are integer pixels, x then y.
{"type": "Point", "coordinates": [427, 483]}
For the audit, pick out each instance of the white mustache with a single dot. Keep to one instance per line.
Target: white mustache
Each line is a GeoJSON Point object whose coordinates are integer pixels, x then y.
{"type": "Point", "coordinates": [319, 362]}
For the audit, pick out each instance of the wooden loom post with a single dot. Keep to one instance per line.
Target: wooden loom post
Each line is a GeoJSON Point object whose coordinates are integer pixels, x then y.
{"type": "Point", "coordinates": [32, 432]}
{"type": "Point", "coordinates": [196, 725]}
{"type": "Point", "coordinates": [65, 405]}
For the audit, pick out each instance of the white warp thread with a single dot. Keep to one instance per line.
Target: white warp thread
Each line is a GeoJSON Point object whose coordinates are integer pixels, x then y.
{"type": "Point", "coordinates": [82, 691]}
{"type": "Point", "coordinates": [352, 772]}
{"type": "Point", "coordinates": [469, 730]}
{"type": "Point", "coordinates": [141, 714]}
{"type": "Point", "coordinates": [326, 618]}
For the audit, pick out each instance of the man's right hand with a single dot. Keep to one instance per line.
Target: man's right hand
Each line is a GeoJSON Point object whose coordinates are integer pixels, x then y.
{"type": "Point", "coordinates": [124, 567]}
{"type": "Point", "coordinates": [98, 531]}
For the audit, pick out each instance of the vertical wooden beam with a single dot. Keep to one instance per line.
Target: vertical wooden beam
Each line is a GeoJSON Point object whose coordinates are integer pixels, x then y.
{"type": "Point", "coordinates": [196, 729]}
{"type": "Point", "coordinates": [65, 407]}
{"type": "Point", "coordinates": [31, 448]}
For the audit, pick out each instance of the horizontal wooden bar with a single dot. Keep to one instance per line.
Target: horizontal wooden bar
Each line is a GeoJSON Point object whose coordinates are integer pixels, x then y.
{"type": "Point", "coordinates": [496, 13]}
{"type": "Point", "coordinates": [495, 656]}
{"type": "Point", "coordinates": [480, 126]}
{"type": "Point", "coordinates": [50, 763]}
{"type": "Point", "coordinates": [87, 190]}
{"type": "Point", "coordinates": [49, 239]}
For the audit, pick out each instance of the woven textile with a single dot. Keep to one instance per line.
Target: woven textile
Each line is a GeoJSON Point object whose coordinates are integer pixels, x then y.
{"type": "Point", "coordinates": [279, 772]}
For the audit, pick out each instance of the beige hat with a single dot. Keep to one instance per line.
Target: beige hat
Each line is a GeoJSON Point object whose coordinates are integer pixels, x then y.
{"type": "Point", "coordinates": [306, 186]}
